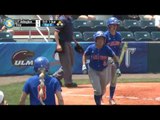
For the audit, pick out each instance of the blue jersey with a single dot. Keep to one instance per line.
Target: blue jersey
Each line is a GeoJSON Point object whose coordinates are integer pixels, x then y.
{"type": "Point", "coordinates": [98, 57]}
{"type": "Point", "coordinates": [31, 87]}
{"type": "Point", "coordinates": [114, 41]}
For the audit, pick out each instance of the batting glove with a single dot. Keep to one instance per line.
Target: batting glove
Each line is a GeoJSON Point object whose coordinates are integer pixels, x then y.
{"type": "Point", "coordinates": [110, 60]}
{"type": "Point", "coordinates": [84, 69]}
{"type": "Point", "coordinates": [118, 72]}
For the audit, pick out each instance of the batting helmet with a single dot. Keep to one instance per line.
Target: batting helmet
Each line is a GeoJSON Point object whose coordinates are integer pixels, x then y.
{"type": "Point", "coordinates": [99, 34]}
{"type": "Point", "coordinates": [41, 62]}
{"type": "Point", "coordinates": [112, 21]}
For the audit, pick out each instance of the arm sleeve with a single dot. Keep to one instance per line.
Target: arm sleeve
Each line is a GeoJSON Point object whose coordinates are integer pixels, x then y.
{"type": "Point", "coordinates": [120, 46]}
{"type": "Point", "coordinates": [88, 51]}
{"type": "Point", "coordinates": [57, 87]}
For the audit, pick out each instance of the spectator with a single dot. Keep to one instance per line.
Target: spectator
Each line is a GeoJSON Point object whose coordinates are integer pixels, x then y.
{"type": "Point", "coordinates": [129, 17]}
{"type": "Point", "coordinates": [87, 17]}
{"type": "Point", "coordinates": [155, 18]}
{"type": "Point", "coordinates": [148, 17]}
{"type": "Point", "coordinates": [3, 27]}
{"type": "Point", "coordinates": [74, 17]}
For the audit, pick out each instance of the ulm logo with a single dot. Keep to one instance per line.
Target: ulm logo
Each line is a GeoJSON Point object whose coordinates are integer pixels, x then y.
{"type": "Point", "coordinates": [23, 63]}
{"type": "Point", "coordinates": [22, 58]}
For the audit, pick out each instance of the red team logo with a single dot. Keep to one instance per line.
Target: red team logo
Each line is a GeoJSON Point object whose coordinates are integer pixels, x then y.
{"type": "Point", "coordinates": [114, 43]}
{"type": "Point", "coordinates": [44, 92]}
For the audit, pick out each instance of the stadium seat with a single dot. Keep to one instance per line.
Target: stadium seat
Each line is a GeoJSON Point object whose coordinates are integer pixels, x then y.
{"type": "Point", "coordinates": [155, 35]}
{"type": "Point", "coordinates": [122, 28]}
{"type": "Point", "coordinates": [82, 25]}
{"type": "Point", "coordinates": [142, 36]}
{"type": "Point", "coordinates": [151, 28]}
{"type": "Point", "coordinates": [127, 36]}
{"type": "Point", "coordinates": [78, 36]}
{"type": "Point", "coordinates": [88, 36]}
{"type": "Point", "coordinates": [147, 23]}
{"type": "Point", "coordinates": [98, 25]}
{"type": "Point", "coordinates": [5, 35]}
{"type": "Point", "coordinates": [95, 23]}
{"type": "Point", "coordinates": [7, 40]}
{"type": "Point", "coordinates": [132, 25]}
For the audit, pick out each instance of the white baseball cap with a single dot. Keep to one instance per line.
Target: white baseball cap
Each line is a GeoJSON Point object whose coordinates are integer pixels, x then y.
{"type": "Point", "coordinates": [1, 96]}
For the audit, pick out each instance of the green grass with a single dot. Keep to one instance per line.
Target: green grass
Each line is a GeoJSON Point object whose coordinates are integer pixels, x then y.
{"type": "Point", "coordinates": [122, 80]}
{"type": "Point", "coordinates": [13, 91]}
{"type": "Point", "coordinates": [138, 80]}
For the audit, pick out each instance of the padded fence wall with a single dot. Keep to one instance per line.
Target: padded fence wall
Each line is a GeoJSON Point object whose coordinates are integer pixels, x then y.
{"type": "Point", "coordinates": [17, 58]}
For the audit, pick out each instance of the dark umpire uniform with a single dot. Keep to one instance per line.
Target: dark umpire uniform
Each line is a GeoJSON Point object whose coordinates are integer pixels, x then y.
{"type": "Point", "coordinates": [64, 37]}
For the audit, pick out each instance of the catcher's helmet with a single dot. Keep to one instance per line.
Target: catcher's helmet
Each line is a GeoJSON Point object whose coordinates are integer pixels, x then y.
{"type": "Point", "coordinates": [112, 21]}
{"type": "Point", "coordinates": [99, 34]}
{"type": "Point", "coordinates": [41, 62]}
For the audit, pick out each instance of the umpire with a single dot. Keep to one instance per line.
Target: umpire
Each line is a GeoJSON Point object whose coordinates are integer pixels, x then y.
{"type": "Point", "coordinates": [64, 37]}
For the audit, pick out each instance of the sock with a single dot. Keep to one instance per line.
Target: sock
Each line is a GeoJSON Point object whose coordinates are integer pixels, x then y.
{"type": "Point", "coordinates": [97, 99]}
{"type": "Point", "coordinates": [112, 90]}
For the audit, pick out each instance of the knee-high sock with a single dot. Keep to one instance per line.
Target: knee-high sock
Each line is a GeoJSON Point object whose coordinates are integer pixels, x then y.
{"type": "Point", "coordinates": [112, 90]}
{"type": "Point", "coordinates": [98, 99]}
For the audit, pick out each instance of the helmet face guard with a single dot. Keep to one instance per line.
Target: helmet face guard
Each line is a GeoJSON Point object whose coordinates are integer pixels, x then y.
{"type": "Point", "coordinates": [41, 63]}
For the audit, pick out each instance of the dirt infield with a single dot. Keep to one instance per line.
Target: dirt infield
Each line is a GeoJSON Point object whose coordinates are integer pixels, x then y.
{"type": "Point", "coordinates": [126, 94]}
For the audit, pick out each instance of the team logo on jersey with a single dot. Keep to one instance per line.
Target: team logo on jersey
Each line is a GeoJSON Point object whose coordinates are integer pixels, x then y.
{"type": "Point", "coordinates": [23, 58]}
{"type": "Point", "coordinates": [9, 23]}
{"type": "Point", "coordinates": [44, 92]}
{"type": "Point", "coordinates": [114, 43]}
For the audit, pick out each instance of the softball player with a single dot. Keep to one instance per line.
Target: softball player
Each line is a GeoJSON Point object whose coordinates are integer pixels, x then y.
{"type": "Point", "coordinates": [41, 87]}
{"type": "Point", "coordinates": [114, 41]}
{"type": "Point", "coordinates": [2, 100]}
{"type": "Point", "coordinates": [98, 54]}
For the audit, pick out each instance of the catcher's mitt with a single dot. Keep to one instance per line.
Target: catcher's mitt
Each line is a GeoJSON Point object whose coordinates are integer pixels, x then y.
{"type": "Point", "coordinates": [79, 49]}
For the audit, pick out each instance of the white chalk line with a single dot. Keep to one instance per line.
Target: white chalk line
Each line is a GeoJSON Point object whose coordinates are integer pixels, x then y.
{"type": "Point", "coordinates": [119, 97]}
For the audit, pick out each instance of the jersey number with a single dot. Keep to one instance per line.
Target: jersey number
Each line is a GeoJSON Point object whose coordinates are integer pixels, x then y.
{"type": "Point", "coordinates": [44, 92]}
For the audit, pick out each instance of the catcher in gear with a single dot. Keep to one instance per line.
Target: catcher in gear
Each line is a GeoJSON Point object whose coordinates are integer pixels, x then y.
{"type": "Point", "coordinates": [41, 87]}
